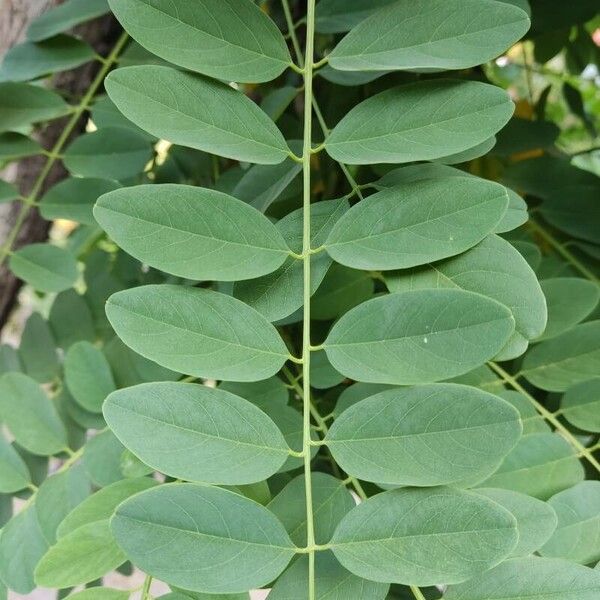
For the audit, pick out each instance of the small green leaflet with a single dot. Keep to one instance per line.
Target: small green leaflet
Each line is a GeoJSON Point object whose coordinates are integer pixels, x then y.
{"type": "Point", "coordinates": [102, 458]}
{"type": "Point", "coordinates": [264, 394]}
{"type": "Point", "coordinates": [232, 40]}
{"type": "Point", "coordinates": [332, 582]}
{"type": "Point", "coordinates": [22, 544]}
{"type": "Point", "coordinates": [14, 146]}
{"type": "Point", "coordinates": [451, 536]}
{"type": "Point", "coordinates": [30, 60]}
{"type": "Point", "coordinates": [45, 267]}
{"type": "Point", "coordinates": [341, 290]}
{"type": "Point", "coordinates": [22, 104]}
{"type": "Point", "coordinates": [540, 465]}
{"type": "Point", "coordinates": [88, 376]}
{"type": "Point", "coordinates": [8, 192]}
{"type": "Point", "coordinates": [426, 435]}
{"type": "Point", "coordinates": [570, 300]}
{"type": "Point", "coordinates": [57, 496]}
{"type": "Point", "coordinates": [65, 16]}
{"type": "Point", "coordinates": [83, 555]}
{"type": "Point", "coordinates": [14, 474]}
{"type": "Point", "coordinates": [530, 578]}
{"type": "Point", "coordinates": [191, 232]}
{"type": "Point", "coordinates": [101, 504]}
{"type": "Point", "coordinates": [581, 405]}
{"type": "Point", "coordinates": [197, 331]}
{"type": "Point", "coordinates": [334, 16]}
{"type": "Point", "coordinates": [567, 359]}
{"type": "Point", "coordinates": [197, 112]}
{"type": "Point", "coordinates": [74, 199]}
{"type": "Point", "coordinates": [577, 536]}
{"type": "Point", "coordinates": [431, 34]}
{"type": "Point", "coordinates": [196, 433]}
{"type": "Point", "coordinates": [392, 339]}
{"type": "Point", "coordinates": [280, 293]}
{"type": "Point", "coordinates": [223, 542]}
{"type": "Point", "coordinates": [331, 500]}
{"type": "Point", "coordinates": [494, 269]}
{"type": "Point", "coordinates": [536, 520]}
{"type": "Point", "coordinates": [38, 350]}
{"type": "Point", "coordinates": [419, 121]}
{"type": "Point", "coordinates": [115, 151]}
{"type": "Point", "coordinates": [30, 415]}
{"type": "Point", "coordinates": [533, 421]}
{"type": "Point", "coordinates": [417, 223]}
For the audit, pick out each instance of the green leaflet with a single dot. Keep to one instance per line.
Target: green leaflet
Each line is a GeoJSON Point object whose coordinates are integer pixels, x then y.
{"type": "Point", "coordinates": [45, 267]}
{"type": "Point", "coordinates": [8, 192]}
{"type": "Point", "coordinates": [334, 16]}
{"type": "Point", "coordinates": [82, 556]}
{"type": "Point", "coordinates": [229, 39]}
{"type": "Point", "coordinates": [38, 350]}
{"type": "Point", "coordinates": [192, 232]}
{"type": "Point", "coordinates": [71, 319]}
{"type": "Point", "coordinates": [14, 146]}
{"type": "Point", "coordinates": [22, 544]}
{"type": "Point", "coordinates": [31, 60]}
{"type": "Point", "coordinates": [332, 582]}
{"type": "Point", "coordinates": [102, 458]}
{"type": "Point", "coordinates": [525, 135]}
{"type": "Point", "coordinates": [197, 331]}
{"type": "Point", "coordinates": [22, 104]}
{"type": "Point", "coordinates": [30, 415]}
{"type": "Point", "coordinates": [14, 474]}
{"type": "Point", "coordinates": [536, 520]}
{"type": "Point", "coordinates": [494, 269]}
{"type": "Point", "coordinates": [431, 34]}
{"type": "Point", "coordinates": [577, 536]}
{"type": "Point", "coordinates": [355, 393]}
{"type": "Point", "coordinates": [225, 543]}
{"type": "Point", "coordinates": [566, 359]}
{"type": "Point", "coordinates": [470, 153]}
{"type": "Point", "coordinates": [331, 501]}
{"type": "Point", "coordinates": [101, 504]}
{"type": "Point", "coordinates": [574, 210]}
{"type": "Point", "coordinates": [533, 421]}
{"type": "Point", "coordinates": [530, 578]}
{"type": "Point", "coordinates": [341, 290]}
{"type": "Point", "coordinates": [417, 223]}
{"type": "Point", "coordinates": [88, 376]}
{"type": "Point", "coordinates": [451, 536]}
{"type": "Point", "coordinates": [57, 496]}
{"type": "Point", "coordinates": [197, 433]}
{"type": "Point", "coordinates": [116, 151]}
{"type": "Point", "coordinates": [419, 121]}
{"type": "Point", "coordinates": [427, 435]}
{"type": "Point", "coordinates": [515, 215]}
{"type": "Point", "coordinates": [570, 300]}
{"type": "Point", "coordinates": [540, 465]}
{"type": "Point", "coordinates": [193, 111]}
{"type": "Point", "coordinates": [266, 393]}
{"type": "Point", "coordinates": [65, 16]}
{"type": "Point", "coordinates": [280, 293]}
{"type": "Point", "coordinates": [74, 199]}
{"type": "Point", "coordinates": [581, 405]}
{"type": "Point", "coordinates": [392, 339]}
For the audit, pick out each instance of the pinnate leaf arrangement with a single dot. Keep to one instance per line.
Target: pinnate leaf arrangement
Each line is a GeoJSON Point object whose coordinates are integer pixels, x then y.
{"type": "Point", "coordinates": [245, 369]}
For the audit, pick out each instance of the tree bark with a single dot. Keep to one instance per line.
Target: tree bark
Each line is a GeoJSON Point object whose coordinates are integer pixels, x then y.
{"type": "Point", "coordinates": [15, 16]}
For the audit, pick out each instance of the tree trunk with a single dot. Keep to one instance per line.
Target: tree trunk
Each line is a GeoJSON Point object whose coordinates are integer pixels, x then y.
{"type": "Point", "coordinates": [15, 16]}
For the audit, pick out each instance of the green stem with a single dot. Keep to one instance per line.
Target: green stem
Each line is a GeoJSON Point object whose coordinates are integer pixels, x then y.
{"type": "Point", "coordinates": [560, 249]}
{"type": "Point", "coordinates": [60, 143]}
{"type": "Point", "coordinates": [306, 155]}
{"type": "Point", "coordinates": [292, 32]}
{"type": "Point", "coordinates": [551, 418]}
{"type": "Point", "coordinates": [417, 593]}
{"type": "Point", "coordinates": [146, 587]}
